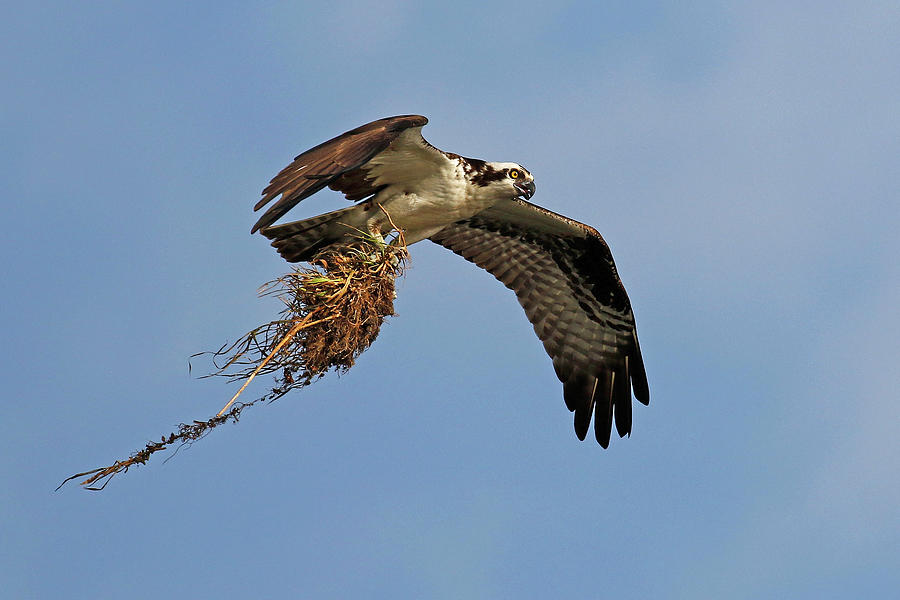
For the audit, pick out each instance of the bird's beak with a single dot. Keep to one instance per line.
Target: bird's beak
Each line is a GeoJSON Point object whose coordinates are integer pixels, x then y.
{"type": "Point", "coordinates": [526, 189]}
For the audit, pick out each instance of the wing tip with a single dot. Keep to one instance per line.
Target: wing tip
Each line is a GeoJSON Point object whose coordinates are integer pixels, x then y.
{"type": "Point", "coordinates": [416, 120]}
{"type": "Point", "coordinates": [262, 223]}
{"type": "Point", "coordinates": [639, 382]}
{"type": "Point", "coordinates": [603, 408]}
{"type": "Point", "coordinates": [607, 397]}
{"type": "Point", "coordinates": [582, 424]}
{"type": "Point", "coordinates": [395, 123]}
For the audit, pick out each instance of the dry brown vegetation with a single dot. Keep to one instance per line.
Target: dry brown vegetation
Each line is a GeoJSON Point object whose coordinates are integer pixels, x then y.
{"type": "Point", "coordinates": [333, 311]}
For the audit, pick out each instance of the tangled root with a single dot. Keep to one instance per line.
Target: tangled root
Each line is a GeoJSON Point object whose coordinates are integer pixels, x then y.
{"type": "Point", "coordinates": [333, 311]}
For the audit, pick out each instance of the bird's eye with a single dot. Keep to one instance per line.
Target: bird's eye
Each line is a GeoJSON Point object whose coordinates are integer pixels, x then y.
{"type": "Point", "coordinates": [514, 173]}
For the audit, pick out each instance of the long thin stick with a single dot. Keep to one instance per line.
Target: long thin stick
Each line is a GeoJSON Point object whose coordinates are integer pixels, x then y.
{"type": "Point", "coordinates": [287, 337]}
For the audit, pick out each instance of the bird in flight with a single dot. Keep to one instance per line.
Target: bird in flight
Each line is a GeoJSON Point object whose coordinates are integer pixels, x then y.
{"type": "Point", "coordinates": [561, 271]}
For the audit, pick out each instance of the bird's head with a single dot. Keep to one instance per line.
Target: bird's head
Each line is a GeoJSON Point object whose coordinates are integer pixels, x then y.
{"type": "Point", "coordinates": [504, 179]}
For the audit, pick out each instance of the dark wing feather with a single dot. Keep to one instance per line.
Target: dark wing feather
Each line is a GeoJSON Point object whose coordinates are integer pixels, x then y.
{"type": "Point", "coordinates": [334, 163]}
{"type": "Point", "coordinates": [564, 277]}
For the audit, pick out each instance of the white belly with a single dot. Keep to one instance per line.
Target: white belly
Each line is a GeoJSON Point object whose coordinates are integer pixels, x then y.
{"type": "Point", "coordinates": [420, 216]}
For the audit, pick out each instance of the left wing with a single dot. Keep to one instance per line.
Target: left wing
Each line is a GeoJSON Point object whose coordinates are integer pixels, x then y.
{"type": "Point", "coordinates": [564, 277]}
{"type": "Point", "coordinates": [336, 163]}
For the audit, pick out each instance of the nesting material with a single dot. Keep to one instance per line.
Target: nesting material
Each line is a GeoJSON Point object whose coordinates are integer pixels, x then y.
{"type": "Point", "coordinates": [333, 311]}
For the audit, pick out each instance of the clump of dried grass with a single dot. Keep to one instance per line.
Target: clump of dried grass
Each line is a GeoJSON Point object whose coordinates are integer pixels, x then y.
{"type": "Point", "coordinates": [333, 311]}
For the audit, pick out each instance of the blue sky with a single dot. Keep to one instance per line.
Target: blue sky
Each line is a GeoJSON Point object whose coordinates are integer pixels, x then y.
{"type": "Point", "coordinates": [741, 161]}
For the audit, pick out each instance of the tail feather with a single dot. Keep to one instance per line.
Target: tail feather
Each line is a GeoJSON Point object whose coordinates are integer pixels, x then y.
{"type": "Point", "coordinates": [302, 240]}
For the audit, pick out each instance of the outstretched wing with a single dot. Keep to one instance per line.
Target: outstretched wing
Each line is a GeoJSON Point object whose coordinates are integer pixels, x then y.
{"type": "Point", "coordinates": [337, 163]}
{"type": "Point", "coordinates": [564, 277]}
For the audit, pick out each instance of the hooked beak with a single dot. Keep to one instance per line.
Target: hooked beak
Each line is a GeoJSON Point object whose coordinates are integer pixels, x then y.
{"type": "Point", "coordinates": [525, 189]}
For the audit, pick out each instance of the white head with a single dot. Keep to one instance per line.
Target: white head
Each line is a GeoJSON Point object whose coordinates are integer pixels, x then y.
{"type": "Point", "coordinates": [501, 179]}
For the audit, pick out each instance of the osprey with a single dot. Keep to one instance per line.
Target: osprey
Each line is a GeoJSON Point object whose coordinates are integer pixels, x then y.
{"type": "Point", "coordinates": [561, 270]}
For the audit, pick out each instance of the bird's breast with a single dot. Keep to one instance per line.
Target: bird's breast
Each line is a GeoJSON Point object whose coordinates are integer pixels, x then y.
{"type": "Point", "coordinates": [429, 207]}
